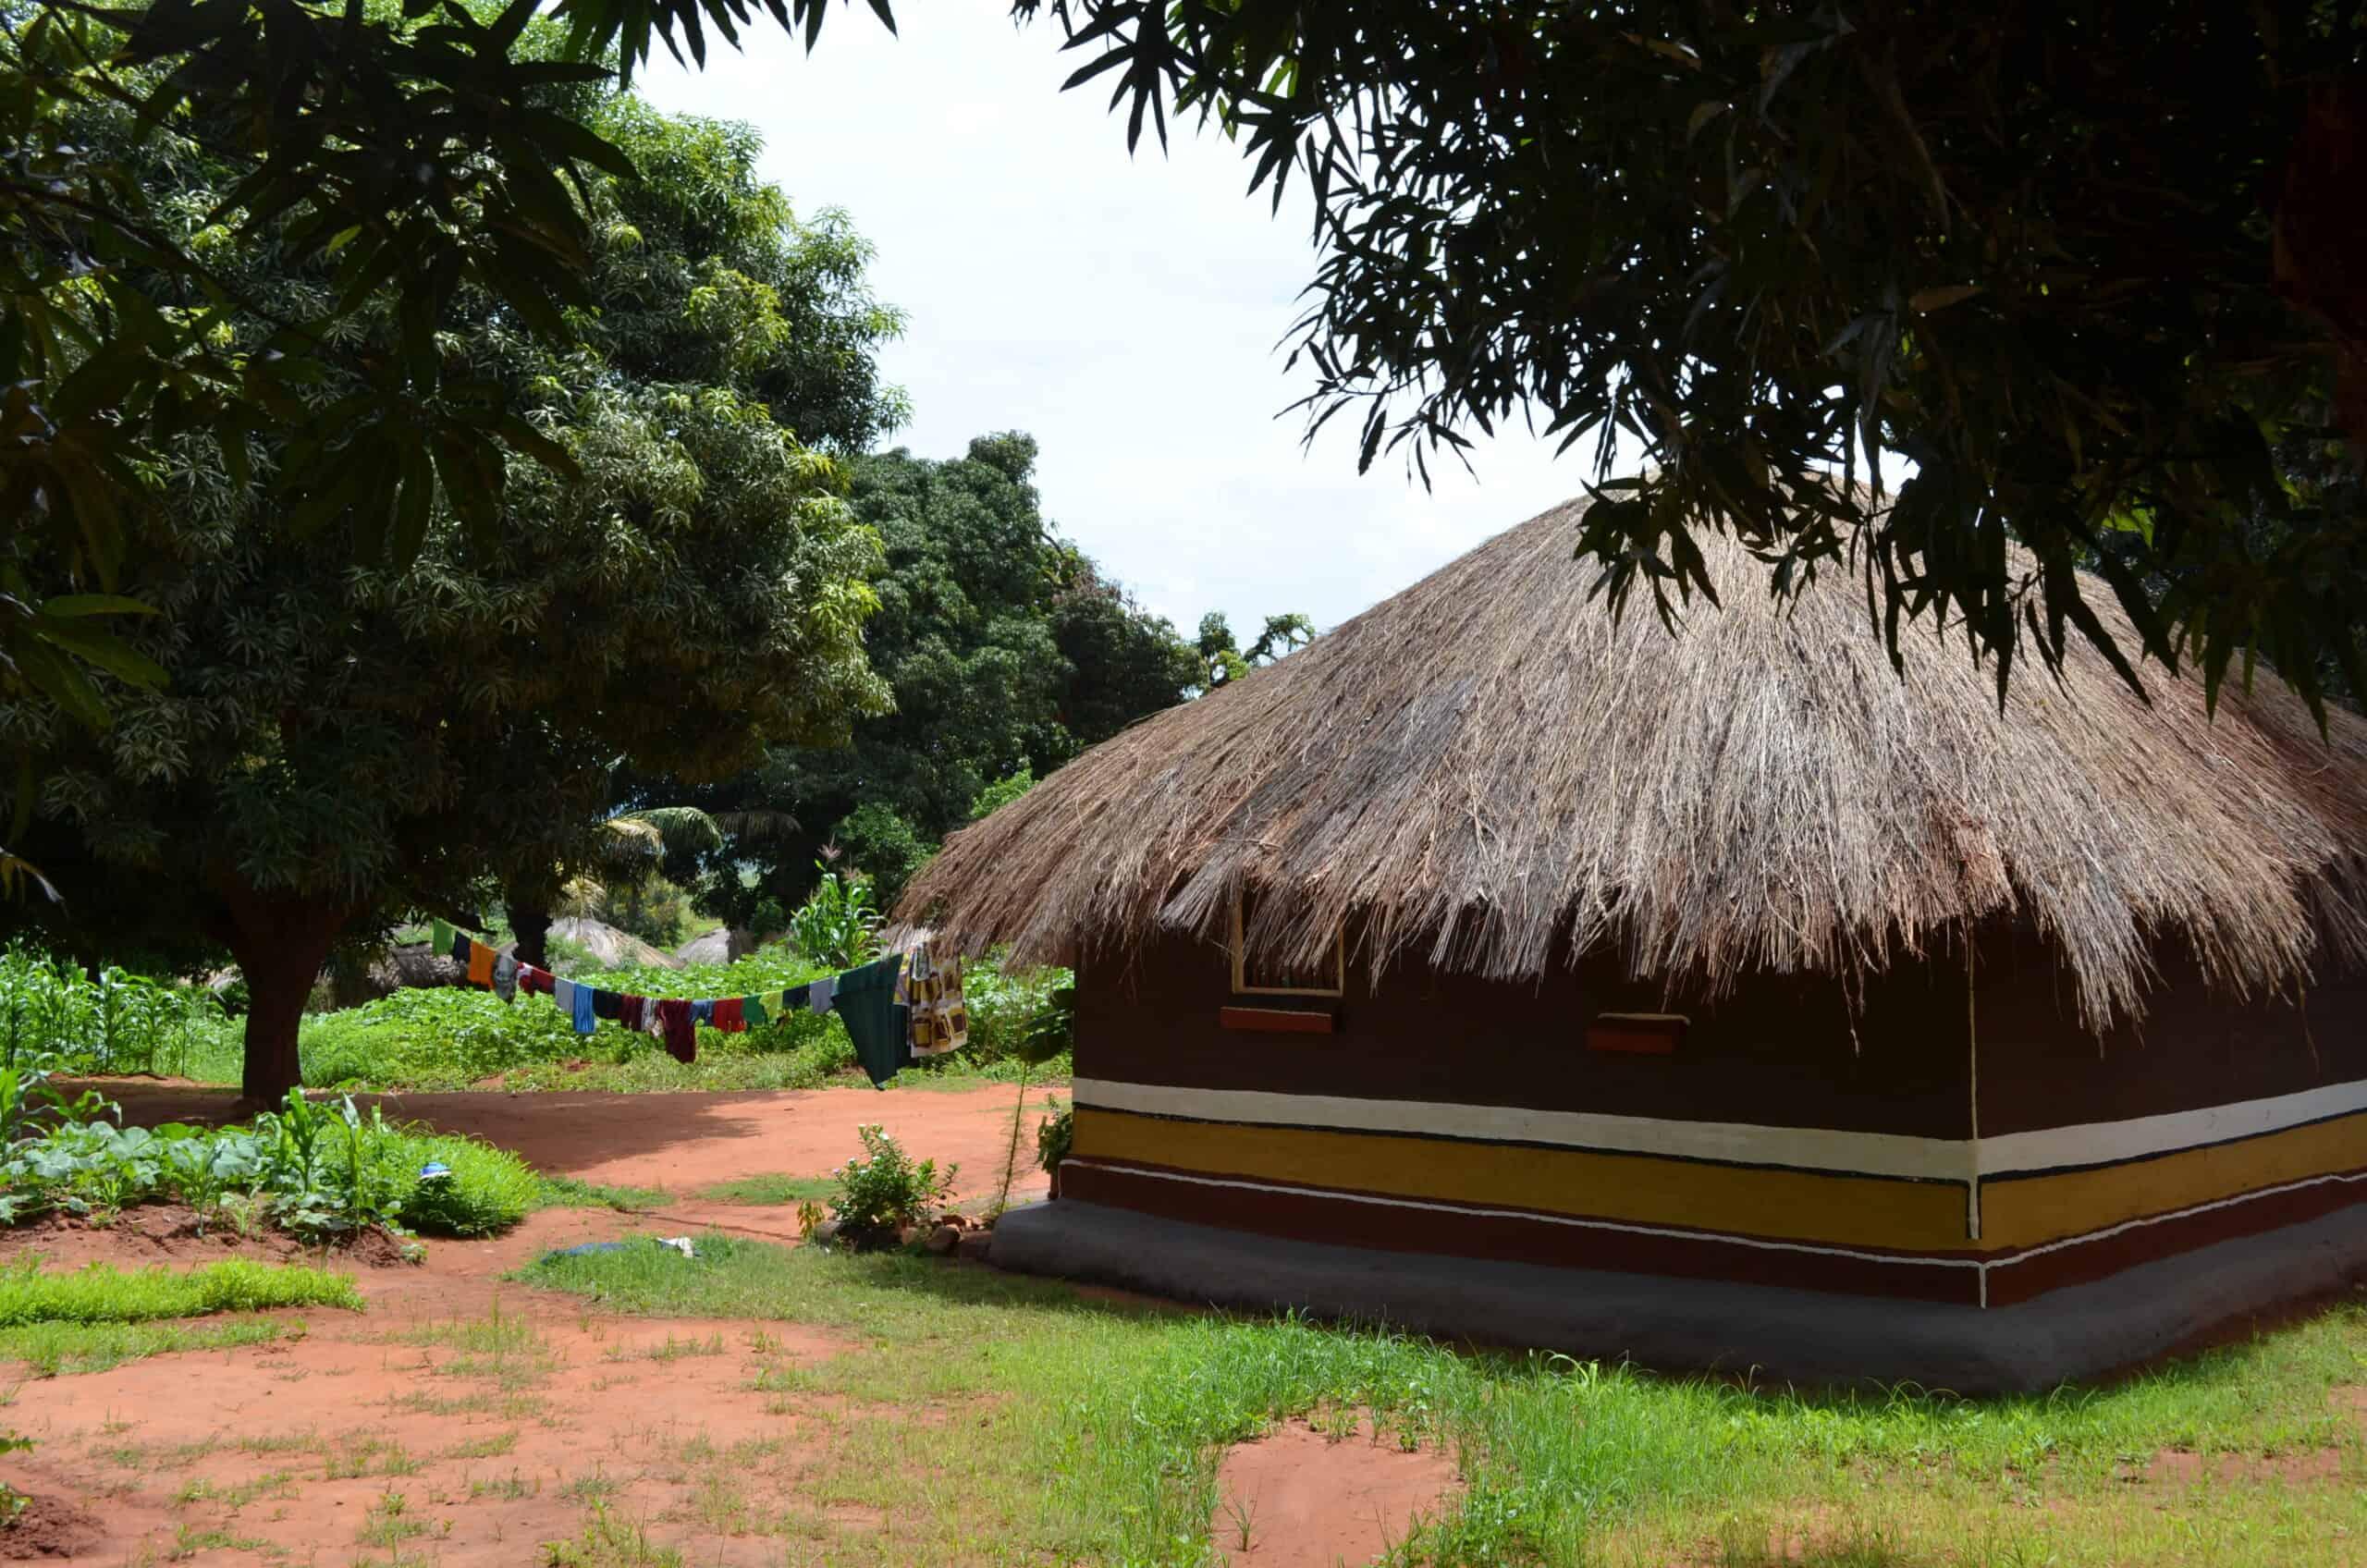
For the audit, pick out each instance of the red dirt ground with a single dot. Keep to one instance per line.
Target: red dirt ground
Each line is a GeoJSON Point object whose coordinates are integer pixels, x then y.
{"type": "Point", "coordinates": [306, 1444]}
{"type": "Point", "coordinates": [1305, 1500]}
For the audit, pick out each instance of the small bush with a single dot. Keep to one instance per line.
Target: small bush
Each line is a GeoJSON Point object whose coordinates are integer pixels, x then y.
{"type": "Point", "coordinates": [884, 1190]}
{"type": "Point", "coordinates": [1054, 1136]}
{"type": "Point", "coordinates": [487, 1190]}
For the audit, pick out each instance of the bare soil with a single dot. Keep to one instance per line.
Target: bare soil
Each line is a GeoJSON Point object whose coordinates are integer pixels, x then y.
{"type": "Point", "coordinates": [1303, 1498]}
{"type": "Point", "coordinates": [413, 1428]}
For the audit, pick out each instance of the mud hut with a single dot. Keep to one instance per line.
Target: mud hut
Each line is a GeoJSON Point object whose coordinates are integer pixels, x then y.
{"type": "Point", "coordinates": [1488, 940]}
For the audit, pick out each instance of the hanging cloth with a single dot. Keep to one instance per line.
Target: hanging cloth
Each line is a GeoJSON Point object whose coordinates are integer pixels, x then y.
{"type": "Point", "coordinates": [584, 1003]}
{"type": "Point", "coordinates": [505, 977]}
{"type": "Point", "coordinates": [731, 1015]}
{"type": "Point", "coordinates": [439, 937]}
{"type": "Point", "coordinates": [703, 1011]}
{"type": "Point", "coordinates": [633, 1011]}
{"type": "Point", "coordinates": [949, 1013]}
{"type": "Point", "coordinates": [819, 995]}
{"type": "Point", "coordinates": [535, 982]}
{"type": "Point", "coordinates": [609, 1005]}
{"type": "Point", "coordinates": [866, 1000]}
{"type": "Point", "coordinates": [480, 964]}
{"type": "Point", "coordinates": [458, 950]}
{"type": "Point", "coordinates": [753, 1014]}
{"type": "Point", "coordinates": [675, 1027]}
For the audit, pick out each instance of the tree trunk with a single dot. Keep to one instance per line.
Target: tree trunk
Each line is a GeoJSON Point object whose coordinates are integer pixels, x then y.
{"type": "Point", "coordinates": [533, 925]}
{"type": "Point", "coordinates": [281, 941]}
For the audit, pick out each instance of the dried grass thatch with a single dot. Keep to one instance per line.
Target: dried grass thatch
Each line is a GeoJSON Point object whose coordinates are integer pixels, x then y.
{"type": "Point", "coordinates": [1487, 773]}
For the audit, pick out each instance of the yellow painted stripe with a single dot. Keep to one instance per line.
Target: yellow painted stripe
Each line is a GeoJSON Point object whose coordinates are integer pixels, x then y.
{"type": "Point", "coordinates": [2031, 1210]}
{"type": "Point", "coordinates": [1640, 1188]}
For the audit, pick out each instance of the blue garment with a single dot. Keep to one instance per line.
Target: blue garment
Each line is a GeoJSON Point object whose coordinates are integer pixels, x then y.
{"type": "Point", "coordinates": [703, 1011]}
{"type": "Point", "coordinates": [585, 1021]}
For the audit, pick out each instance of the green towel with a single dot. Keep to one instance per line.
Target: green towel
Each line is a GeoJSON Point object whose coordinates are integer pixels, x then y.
{"type": "Point", "coordinates": [865, 998]}
{"type": "Point", "coordinates": [752, 1012]}
{"type": "Point", "coordinates": [439, 937]}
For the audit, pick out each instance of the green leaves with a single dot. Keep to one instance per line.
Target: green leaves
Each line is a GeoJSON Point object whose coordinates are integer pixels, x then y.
{"type": "Point", "coordinates": [1752, 255]}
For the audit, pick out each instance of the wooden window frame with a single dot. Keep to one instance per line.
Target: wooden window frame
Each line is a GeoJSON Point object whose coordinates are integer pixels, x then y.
{"type": "Point", "coordinates": [1241, 988]}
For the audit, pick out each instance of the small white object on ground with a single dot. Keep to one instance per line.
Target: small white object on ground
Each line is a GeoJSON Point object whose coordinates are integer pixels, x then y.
{"type": "Point", "coordinates": [680, 1243]}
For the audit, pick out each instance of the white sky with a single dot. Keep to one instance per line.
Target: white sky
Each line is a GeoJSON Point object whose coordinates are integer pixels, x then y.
{"type": "Point", "coordinates": [1124, 311]}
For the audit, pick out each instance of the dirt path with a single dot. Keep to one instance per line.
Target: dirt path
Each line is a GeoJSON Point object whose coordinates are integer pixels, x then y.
{"type": "Point", "coordinates": [464, 1421]}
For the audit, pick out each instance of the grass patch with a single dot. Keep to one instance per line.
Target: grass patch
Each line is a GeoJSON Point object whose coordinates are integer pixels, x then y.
{"type": "Point", "coordinates": [566, 1192]}
{"type": "Point", "coordinates": [1093, 1431]}
{"type": "Point", "coordinates": [773, 1189]}
{"type": "Point", "coordinates": [50, 1350]}
{"type": "Point", "coordinates": [100, 1293]}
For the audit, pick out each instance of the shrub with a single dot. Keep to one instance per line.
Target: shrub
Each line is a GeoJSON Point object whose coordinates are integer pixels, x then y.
{"type": "Point", "coordinates": [484, 1191]}
{"type": "Point", "coordinates": [1009, 1009]}
{"type": "Point", "coordinates": [884, 1190]}
{"type": "Point", "coordinates": [1054, 1135]}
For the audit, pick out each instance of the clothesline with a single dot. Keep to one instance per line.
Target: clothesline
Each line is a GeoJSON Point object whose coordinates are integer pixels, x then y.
{"type": "Point", "coordinates": [894, 1009]}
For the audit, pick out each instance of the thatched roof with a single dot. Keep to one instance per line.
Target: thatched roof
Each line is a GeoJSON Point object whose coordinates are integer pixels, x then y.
{"type": "Point", "coordinates": [1489, 773]}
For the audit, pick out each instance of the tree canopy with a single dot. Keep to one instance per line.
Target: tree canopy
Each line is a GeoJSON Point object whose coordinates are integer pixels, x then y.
{"type": "Point", "coordinates": [340, 737]}
{"type": "Point", "coordinates": [1005, 648]}
{"type": "Point", "coordinates": [2090, 268]}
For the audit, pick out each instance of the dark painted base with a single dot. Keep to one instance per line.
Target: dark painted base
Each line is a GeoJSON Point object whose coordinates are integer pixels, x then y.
{"type": "Point", "coordinates": [2077, 1332]}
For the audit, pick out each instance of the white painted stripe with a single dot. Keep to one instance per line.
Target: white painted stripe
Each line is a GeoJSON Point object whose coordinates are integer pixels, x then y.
{"type": "Point", "coordinates": [1807, 1148]}
{"type": "Point", "coordinates": [1879, 1154]}
{"type": "Point", "coordinates": [2108, 1143]}
{"type": "Point", "coordinates": [1723, 1238]}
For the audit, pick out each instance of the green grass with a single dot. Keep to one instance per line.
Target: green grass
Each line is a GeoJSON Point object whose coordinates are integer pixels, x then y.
{"type": "Point", "coordinates": [566, 1192]}
{"type": "Point", "coordinates": [773, 1189]}
{"type": "Point", "coordinates": [1092, 1432]}
{"type": "Point", "coordinates": [102, 1295]}
{"type": "Point", "coordinates": [50, 1350]}
{"type": "Point", "coordinates": [447, 1038]}
{"type": "Point", "coordinates": [488, 1191]}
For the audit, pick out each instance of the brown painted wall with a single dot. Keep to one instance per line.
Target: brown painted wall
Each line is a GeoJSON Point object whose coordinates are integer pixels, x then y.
{"type": "Point", "coordinates": [1776, 1051]}
{"type": "Point", "coordinates": [2194, 1047]}
{"type": "Point", "coordinates": [1787, 1050]}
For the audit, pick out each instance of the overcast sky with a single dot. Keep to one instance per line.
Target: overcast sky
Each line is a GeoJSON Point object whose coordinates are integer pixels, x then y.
{"type": "Point", "coordinates": [1124, 311]}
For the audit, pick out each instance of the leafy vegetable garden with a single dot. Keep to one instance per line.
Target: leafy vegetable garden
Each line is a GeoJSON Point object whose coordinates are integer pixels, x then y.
{"type": "Point", "coordinates": [319, 1171]}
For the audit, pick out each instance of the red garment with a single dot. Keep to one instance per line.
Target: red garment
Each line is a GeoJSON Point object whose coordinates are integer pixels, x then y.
{"type": "Point", "coordinates": [536, 980]}
{"type": "Point", "coordinates": [681, 1034]}
{"type": "Point", "coordinates": [729, 1016]}
{"type": "Point", "coordinates": [629, 1010]}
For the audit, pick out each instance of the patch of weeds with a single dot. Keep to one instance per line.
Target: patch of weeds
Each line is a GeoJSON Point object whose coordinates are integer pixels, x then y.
{"type": "Point", "coordinates": [484, 1448]}
{"type": "Point", "coordinates": [675, 1349]}
{"type": "Point", "coordinates": [509, 1488]}
{"type": "Point", "coordinates": [390, 1522]}
{"type": "Point", "coordinates": [52, 1350]}
{"type": "Point", "coordinates": [607, 1542]}
{"type": "Point", "coordinates": [597, 1487]}
{"type": "Point", "coordinates": [503, 1348]}
{"type": "Point", "coordinates": [100, 1293]}
{"type": "Point", "coordinates": [566, 1192]}
{"type": "Point", "coordinates": [775, 1189]}
{"type": "Point", "coordinates": [189, 1541]}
